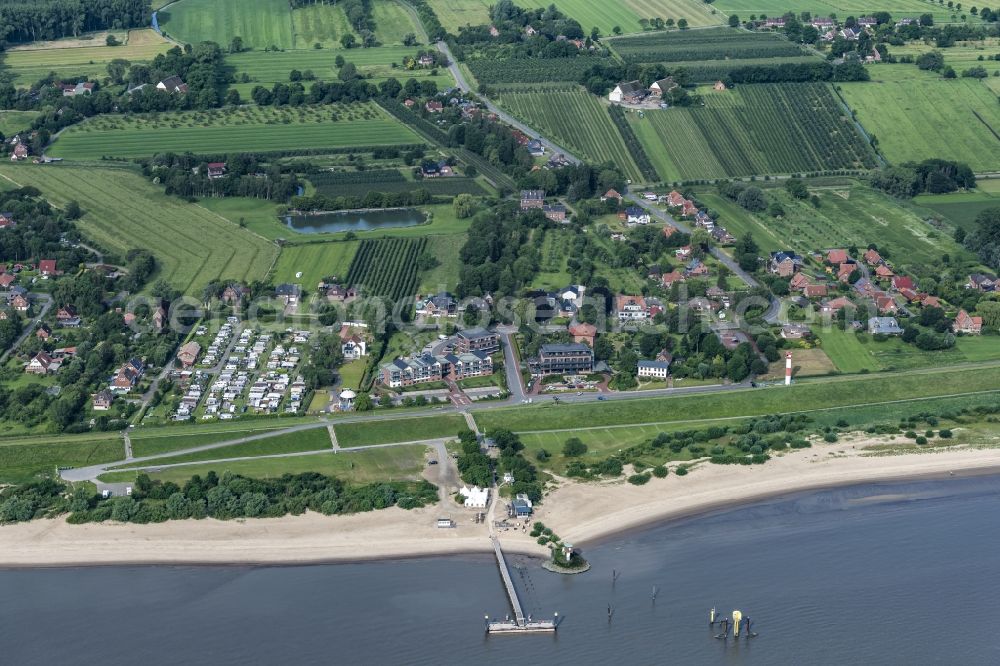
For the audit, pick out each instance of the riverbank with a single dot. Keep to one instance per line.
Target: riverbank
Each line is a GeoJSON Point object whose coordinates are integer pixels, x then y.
{"type": "Point", "coordinates": [583, 513]}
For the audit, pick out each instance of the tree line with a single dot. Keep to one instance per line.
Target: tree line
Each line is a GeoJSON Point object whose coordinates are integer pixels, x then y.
{"type": "Point", "coordinates": [31, 20]}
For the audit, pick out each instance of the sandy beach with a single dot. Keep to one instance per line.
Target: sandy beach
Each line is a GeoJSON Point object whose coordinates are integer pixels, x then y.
{"type": "Point", "coordinates": [580, 513]}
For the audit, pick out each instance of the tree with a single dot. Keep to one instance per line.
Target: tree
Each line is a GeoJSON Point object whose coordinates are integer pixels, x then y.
{"type": "Point", "coordinates": [116, 70]}
{"type": "Point", "coordinates": [617, 30]}
{"type": "Point", "coordinates": [465, 206]}
{"type": "Point", "coordinates": [363, 403]}
{"type": "Point", "coordinates": [682, 24]}
{"type": "Point", "coordinates": [236, 45]}
{"type": "Point", "coordinates": [348, 72]}
{"type": "Point", "coordinates": [348, 40]}
{"type": "Point", "coordinates": [574, 448]}
{"type": "Point", "coordinates": [409, 39]}
{"type": "Point", "coordinates": [112, 41]}
{"type": "Point", "coordinates": [752, 199]}
{"type": "Point", "coordinates": [797, 188]}
{"type": "Point", "coordinates": [734, 21]}
{"type": "Point", "coordinates": [747, 252]}
{"type": "Point", "coordinates": [73, 211]}
{"type": "Point", "coordinates": [233, 97]}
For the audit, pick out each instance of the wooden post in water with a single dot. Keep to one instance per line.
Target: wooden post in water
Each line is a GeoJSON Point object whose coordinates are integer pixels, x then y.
{"type": "Point", "coordinates": [711, 616]}
{"type": "Point", "coordinates": [737, 621]}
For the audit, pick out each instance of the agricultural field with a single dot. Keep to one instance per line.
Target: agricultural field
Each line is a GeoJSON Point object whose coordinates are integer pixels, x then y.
{"type": "Point", "coordinates": [713, 44]}
{"type": "Point", "coordinates": [962, 55]}
{"type": "Point", "coordinates": [259, 216]}
{"type": "Point", "coordinates": [919, 115]}
{"type": "Point", "coordinates": [12, 122]}
{"type": "Point", "coordinates": [350, 183]}
{"type": "Point", "coordinates": [627, 13]}
{"type": "Point", "coordinates": [855, 215]}
{"type": "Point", "coordinates": [389, 431]}
{"type": "Point", "coordinates": [386, 267]}
{"type": "Point", "coordinates": [530, 70]}
{"type": "Point", "coordinates": [710, 71]}
{"type": "Point", "coordinates": [78, 57]}
{"type": "Point", "coordinates": [228, 130]}
{"type": "Point", "coordinates": [315, 261]}
{"type": "Point", "coordinates": [841, 8]}
{"type": "Point", "coordinates": [455, 14]}
{"type": "Point", "coordinates": [260, 24]}
{"type": "Point", "coordinates": [122, 210]}
{"type": "Point", "coordinates": [573, 118]}
{"type": "Point", "coordinates": [736, 134]}
{"type": "Point", "coordinates": [393, 22]}
{"type": "Point", "coordinates": [376, 64]}
{"type": "Point", "coordinates": [444, 276]}
{"type": "Point", "coordinates": [961, 208]}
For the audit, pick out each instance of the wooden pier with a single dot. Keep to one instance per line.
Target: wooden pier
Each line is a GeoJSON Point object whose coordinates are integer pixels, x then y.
{"type": "Point", "coordinates": [520, 623]}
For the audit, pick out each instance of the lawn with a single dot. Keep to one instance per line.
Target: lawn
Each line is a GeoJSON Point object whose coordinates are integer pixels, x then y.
{"type": "Point", "coordinates": [229, 130]}
{"type": "Point", "coordinates": [455, 14]}
{"type": "Point", "coordinates": [573, 118]}
{"type": "Point", "coordinates": [315, 439]}
{"type": "Point", "coordinates": [805, 363]}
{"type": "Point", "coordinates": [444, 276]}
{"type": "Point", "coordinates": [12, 122]}
{"type": "Point", "coordinates": [315, 261]}
{"type": "Point", "coordinates": [840, 8]}
{"type": "Point", "coordinates": [626, 14]}
{"type": "Point", "coordinates": [352, 373]}
{"type": "Point", "coordinates": [833, 392]}
{"type": "Point", "coordinates": [848, 354]}
{"type": "Point", "coordinates": [25, 458]}
{"type": "Point", "coordinates": [961, 208]}
{"type": "Point", "coordinates": [733, 134]}
{"type": "Point", "coordinates": [162, 440]}
{"type": "Point", "coordinates": [260, 23]}
{"type": "Point", "coordinates": [28, 65]}
{"type": "Point", "coordinates": [979, 348]}
{"type": "Point", "coordinates": [122, 210]}
{"type": "Point", "coordinates": [259, 216]}
{"type": "Point", "coordinates": [389, 431]}
{"type": "Point", "coordinates": [393, 22]}
{"type": "Point", "coordinates": [397, 463]}
{"type": "Point", "coordinates": [925, 116]}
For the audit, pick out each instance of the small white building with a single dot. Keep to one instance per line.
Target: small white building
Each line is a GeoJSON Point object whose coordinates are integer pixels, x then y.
{"type": "Point", "coordinates": [654, 369]}
{"type": "Point", "coordinates": [475, 497]}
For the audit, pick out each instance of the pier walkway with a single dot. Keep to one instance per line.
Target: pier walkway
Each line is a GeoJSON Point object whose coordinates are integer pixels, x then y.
{"type": "Point", "coordinates": [508, 583]}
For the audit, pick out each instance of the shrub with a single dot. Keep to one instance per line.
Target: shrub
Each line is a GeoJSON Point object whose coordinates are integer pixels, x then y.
{"type": "Point", "coordinates": [921, 439]}
{"type": "Point", "coordinates": [944, 433]}
{"type": "Point", "coordinates": [928, 433]}
{"type": "Point", "coordinates": [681, 471]}
{"type": "Point", "coordinates": [660, 471]}
{"type": "Point", "coordinates": [542, 540]}
{"type": "Point", "coordinates": [639, 479]}
{"type": "Point", "coordinates": [910, 434]}
{"type": "Point", "coordinates": [830, 437]}
{"type": "Point", "coordinates": [574, 448]}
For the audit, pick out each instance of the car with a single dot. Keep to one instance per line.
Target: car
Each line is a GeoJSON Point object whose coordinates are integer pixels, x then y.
{"type": "Point", "coordinates": [602, 397]}
{"type": "Point", "coordinates": [432, 462]}
{"type": "Point", "coordinates": [579, 392]}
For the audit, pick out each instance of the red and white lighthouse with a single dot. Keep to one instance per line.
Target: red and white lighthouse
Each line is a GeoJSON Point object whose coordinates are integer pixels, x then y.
{"type": "Point", "coordinates": [788, 368]}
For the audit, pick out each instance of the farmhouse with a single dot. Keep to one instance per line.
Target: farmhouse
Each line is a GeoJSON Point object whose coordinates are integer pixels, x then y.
{"type": "Point", "coordinates": [884, 326]}
{"type": "Point", "coordinates": [47, 267]}
{"type": "Point", "coordinates": [532, 199]}
{"type": "Point", "coordinates": [235, 293]}
{"type": "Point", "coordinates": [836, 257]}
{"type": "Point", "coordinates": [820, 23]}
{"type": "Point", "coordinates": [555, 212]}
{"type": "Point", "coordinates": [631, 92]}
{"type": "Point", "coordinates": [41, 364]}
{"type": "Point", "coordinates": [559, 359]}
{"type": "Point", "coordinates": [19, 153]}
{"type": "Point", "coordinates": [964, 323]}
{"type": "Point", "coordinates": [774, 23]}
{"type": "Point", "coordinates": [434, 106]}
{"type": "Point", "coordinates": [216, 170]}
{"type": "Point", "coordinates": [636, 215]}
{"type": "Point", "coordinates": [654, 369]}
{"type": "Point", "coordinates": [662, 87]}
{"type": "Point", "coordinates": [172, 84]}
{"type": "Point", "coordinates": [612, 194]}
{"type": "Point", "coordinates": [785, 263]}
{"type": "Point", "coordinates": [74, 89]}
{"type": "Point", "coordinates": [102, 400]}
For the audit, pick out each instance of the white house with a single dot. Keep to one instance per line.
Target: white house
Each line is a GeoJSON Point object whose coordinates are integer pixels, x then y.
{"type": "Point", "coordinates": [637, 215]}
{"type": "Point", "coordinates": [654, 369]}
{"type": "Point", "coordinates": [475, 497]}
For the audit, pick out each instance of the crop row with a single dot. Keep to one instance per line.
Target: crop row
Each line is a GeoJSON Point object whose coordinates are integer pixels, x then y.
{"type": "Point", "coordinates": [703, 45]}
{"type": "Point", "coordinates": [447, 187]}
{"type": "Point", "coordinates": [387, 267]}
{"type": "Point", "coordinates": [356, 177]}
{"type": "Point", "coordinates": [632, 144]}
{"type": "Point", "coordinates": [535, 70]}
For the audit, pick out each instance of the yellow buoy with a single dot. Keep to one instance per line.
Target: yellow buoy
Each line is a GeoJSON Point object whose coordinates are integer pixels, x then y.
{"type": "Point", "coordinates": [737, 617]}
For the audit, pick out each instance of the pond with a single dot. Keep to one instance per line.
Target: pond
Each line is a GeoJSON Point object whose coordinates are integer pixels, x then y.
{"type": "Point", "coordinates": [355, 220]}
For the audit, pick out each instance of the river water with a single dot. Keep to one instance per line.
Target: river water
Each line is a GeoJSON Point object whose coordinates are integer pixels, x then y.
{"type": "Point", "coordinates": [876, 574]}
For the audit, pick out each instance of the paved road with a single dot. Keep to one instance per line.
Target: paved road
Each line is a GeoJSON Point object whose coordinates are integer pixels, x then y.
{"type": "Point", "coordinates": [30, 328]}
{"type": "Point", "coordinates": [512, 369]}
{"type": "Point", "coordinates": [502, 115]}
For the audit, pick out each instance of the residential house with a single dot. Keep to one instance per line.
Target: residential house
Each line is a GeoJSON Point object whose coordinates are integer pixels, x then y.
{"type": "Point", "coordinates": [884, 272]}
{"type": "Point", "coordinates": [670, 279]}
{"type": "Point", "coordinates": [43, 332]}
{"type": "Point", "coordinates": [41, 364]}
{"type": "Point", "coordinates": [683, 252]}
{"type": "Point", "coordinates": [696, 268]}
{"type": "Point", "coordinates": [981, 282]}
{"type": "Point", "coordinates": [188, 354]}
{"type": "Point", "coordinates": [102, 400]}
{"type": "Point", "coordinates": [636, 215]}
{"type": "Point", "coordinates": [823, 23]}
{"type": "Point", "coordinates": [785, 263]}
{"type": "Point", "coordinates": [815, 291]}
{"type": "Point", "coordinates": [532, 199]}
{"type": "Point", "coordinates": [407, 372]}
{"type": "Point", "coordinates": [654, 369]}
{"type": "Point", "coordinates": [19, 153]}
{"type": "Point", "coordinates": [965, 323]}
{"type": "Point", "coordinates": [216, 170]}
{"type": "Point", "coordinates": [477, 339]}
{"type": "Point", "coordinates": [426, 60]}
{"type": "Point", "coordinates": [434, 106]}
{"type": "Point", "coordinates": [353, 346]}
{"type": "Point", "coordinates": [722, 237]}
{"type": "Point", "coordinates": [47, 267]}
{"type": "Point", "coordinates": [675, 199]}
{"type": "Point", "coordinates": [872, 257]}
{"type": "Point", "coordinates": [774, 23]}
{"type": "Point", "coordinates": [235, 293]}
{"type": "Point", "coordinates": [884, 326]}
{"type": "Point", "coordinates": [7, 221]}
{"type": "Point", "coordinates": [559, 359]}
{"type": "Point", "coordinates": [865, 287]}
{"type": "Point", "coordinates": [438, 305]}
{"type": "Point", "coordinates": [836, 304]}
{"type": "Point", "coordinates": [631, 308]}
{"type": "Point", "coordinates": [583, 333]}
{"type": "Point", "coordinates": [535, 148]}
{"type": "Point", "coordinates": [929, 301]}
{"type": "Point", "coordinates": [288, 293]}
{"type": "Point", "coordinates": [901, 282]}
{"type": "Point", "coordinates": [172, 84]}
{"type": "Point", "coordinates": [20, 303]}
{"type": "Point", "coordinates": [886, 304]}
{"type": "Point", "coordinates": [799, 282]}
{"type": "Point", "coordinates": [6, 279]}
{"type": "Point", "coordinates": [654, 272]}
{"type": "Point", "coordinates": [845, 271]}
{"type": "Point", "coordinates": [612, 194]}
{"type": "Point", "coordinates": [719, 86]}
{"type": "Point", "coordinates": [836, 257]}
{"type": "Point", "coordinates": [631, 92]}
{"type": "Point", "coordinates": [662, 87]}
{"type": "Point", "coordinates": [794, 331]}
{"type": "Point", "coordinates": [688, 209]}
{"type": "Point", "coordinates": [469, 364]}
{"type": "Point", "coordinates": [555, 212]}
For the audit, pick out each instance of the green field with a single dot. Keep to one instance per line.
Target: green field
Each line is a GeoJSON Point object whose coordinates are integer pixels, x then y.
{"type": "Point", "coordinates": [573, 118]}
{"type": "Point", "coordinates": [122, 210]}
{"type": "Point", "coordinates": [77, 57]}
{"type": "Point", "coordinates": [351, 374]}
{"type": "Point", "coordinates": [840, 8]}
{"type": "Point", "coordinates": [230, 130]}
{"type": "Point", "coordinates": [12, 122]}
{"type": "Point", "coordinates": [153, 442]}
{"type": "Point", "coordinates": [846, 351]}
{"type": "Point", "coordinates": [961, 208]}
{"type": "Point", "coordinates": [714, 44]}
{"type": "Point", "coordinates": [260, 24]}
{"type": "Point", "coordinates": [26, 458]}
{"type": "Point", "coordinates": [315, 261]}
{"type": "Point", "coordinates": [443, 277]}
{"type": "Point", "coordinates": [314, 439]}
{"type": "Point", "coordinates": [850, 215]}
{"type": "Point", "coordinates": [376, 64]}
{"type": "Point", "coordinates": [924, 116]}
{"type": "Point", "coordinates": [390, 431]}
{"type": "Point", "coordinates": [397, 463]}
{"type": "Point", "coordinates": [829, 392]}
{"type": "Point", "coordinates": [963, 55]}
{"type": "Point", "coordinates": [454, 14]}
{"type": "Point", "coordinates": [752, 130]}
{"type": "Point", "coordinates": [393, 22]}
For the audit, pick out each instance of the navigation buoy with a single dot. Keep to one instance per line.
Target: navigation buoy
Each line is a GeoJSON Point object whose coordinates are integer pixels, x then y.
{"type": "Point", "coordinates": [711, 616]}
